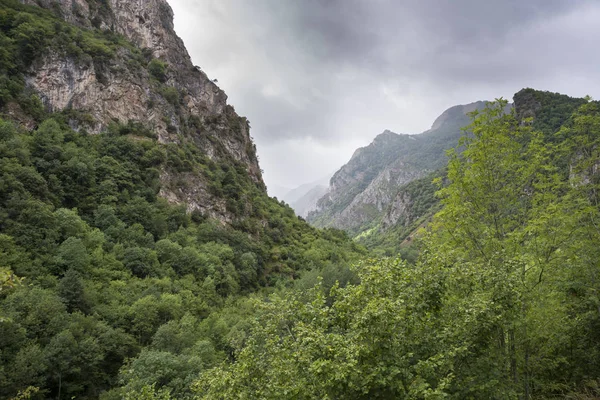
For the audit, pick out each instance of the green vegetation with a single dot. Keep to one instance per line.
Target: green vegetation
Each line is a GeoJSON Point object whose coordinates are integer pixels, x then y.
{"type": "Point", "coordinates": [158, 70]}
{"type": "Point", "coordinates": [119, 285]}
{"type": "Point", "coordinates": [503, 302]}
{"type": "Point", "coordinates": [109, 291]}
{"type": "Point", "coordinates": [548, 110]}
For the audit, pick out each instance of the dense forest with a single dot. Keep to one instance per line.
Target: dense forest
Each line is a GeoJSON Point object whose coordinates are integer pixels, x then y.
{"type": "Point", "coordinates": [103, 267]}
{"type": "Point", "coordinates": [109, 291]}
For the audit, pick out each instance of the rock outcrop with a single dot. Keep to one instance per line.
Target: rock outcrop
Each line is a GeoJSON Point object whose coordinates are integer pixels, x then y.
{"type": "Point", "coordinates": [398, 212]}
{"type": "Point", "coordinates": [180, 105]}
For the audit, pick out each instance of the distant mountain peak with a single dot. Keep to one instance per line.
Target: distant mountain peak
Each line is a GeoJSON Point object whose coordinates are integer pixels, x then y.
{"type": "Point", "coordinates": [386, 135]}
{"type": "Point", "coordinates": [456, 111]}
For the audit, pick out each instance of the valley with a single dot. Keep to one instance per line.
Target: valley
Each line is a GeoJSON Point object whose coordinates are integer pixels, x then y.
{"type": "Point", "coordinates": [141, 256]}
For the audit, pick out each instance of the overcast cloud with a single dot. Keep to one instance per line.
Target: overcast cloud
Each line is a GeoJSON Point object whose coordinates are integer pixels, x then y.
{"type": "Point", "coordinates": [319, 78]}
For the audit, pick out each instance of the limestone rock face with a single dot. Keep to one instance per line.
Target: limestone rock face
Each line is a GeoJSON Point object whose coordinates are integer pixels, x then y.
{"type": "Point", "coordinates": [63, 83]}
{"type": "Point", "coordinates": [194, 110]}
{"type": "Point", "coordinates": [369, 204]}
{"type": "Point", "coordinates": [149, 25]}
{"type": "Point", "coordinates": [398, 212]}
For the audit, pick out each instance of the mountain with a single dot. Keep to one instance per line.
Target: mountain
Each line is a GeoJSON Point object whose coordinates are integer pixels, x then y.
{"type": "Point", "coordinates": [362, 190]}
{"type": "Point", "coordinates": [303, 199]}
{"type": "Point", "coordinates": [308, 201]}
{"type": "Point", "coordinates": [132, 208]}
{"type": "Point", "coordinates": [125, 63]}
{"type": "Point", "coordinates": [295, 194]}
{"type": "Point", "coordinates": [277, 191]}
{"type": "Point", "coordinates": [415, 202]}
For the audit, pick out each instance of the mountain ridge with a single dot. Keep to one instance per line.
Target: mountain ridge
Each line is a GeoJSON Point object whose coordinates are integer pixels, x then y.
{"type": "Point", "coordinates": [361, 191]}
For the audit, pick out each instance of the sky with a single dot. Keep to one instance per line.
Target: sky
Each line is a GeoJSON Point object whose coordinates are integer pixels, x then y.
{"type": "Point", "coordinates": [320, 78]}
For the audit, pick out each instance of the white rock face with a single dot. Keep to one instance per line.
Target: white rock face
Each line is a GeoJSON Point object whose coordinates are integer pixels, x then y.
{"type": "Point", "coordinates": [398, 212]}
{"type": "Point", "coordinates": [122, 94]}
{"type": "Point", "coordinates": [363, 188]}
{"type": "Point", "coordinates": [63, 83]}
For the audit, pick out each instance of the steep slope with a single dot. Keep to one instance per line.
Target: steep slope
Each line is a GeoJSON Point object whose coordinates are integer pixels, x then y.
{"type": "Point", "coordinates": [127, 64]}
{"type": "Point", "coordinates": [362, 190]}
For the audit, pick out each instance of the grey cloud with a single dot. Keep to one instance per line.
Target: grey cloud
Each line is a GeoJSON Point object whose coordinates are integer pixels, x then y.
{"type": "Point", "coordinates": [335, 72]}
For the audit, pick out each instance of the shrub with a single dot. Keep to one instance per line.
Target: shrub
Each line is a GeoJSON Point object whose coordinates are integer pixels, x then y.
{"type": "Point", "coordinates": [158, 70]}
{"type": "Point", "coordinates": [170, 94]}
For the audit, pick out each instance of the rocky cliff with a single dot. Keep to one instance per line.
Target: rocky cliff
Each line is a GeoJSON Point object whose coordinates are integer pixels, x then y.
{"type": "Point", "coordinates": [146, 78]}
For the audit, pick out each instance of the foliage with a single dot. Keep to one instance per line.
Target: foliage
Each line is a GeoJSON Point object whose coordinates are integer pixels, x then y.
{"type": "Point", "coordinates": [113, 269]}
{"type": "Point", "coordinates": [26, 394]}
{"type": "Point", "coordinates": [158, 69]}
{"type": "Point", "coordinates": [501, 304]}
{"type": "Point", "coordinates": [549, 110]}
{"type": "Point", "coordinates": [170, 94]}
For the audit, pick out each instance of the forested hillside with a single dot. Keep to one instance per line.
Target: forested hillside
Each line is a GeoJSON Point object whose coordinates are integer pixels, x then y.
{"type": "Point", "coordinates": [106, 280]}
{"type": "Point", "coordinates": [108, 267]}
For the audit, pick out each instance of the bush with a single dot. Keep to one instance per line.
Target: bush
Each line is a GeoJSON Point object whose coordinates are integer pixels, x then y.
{"type": "Point", "coordinates": [158, 70]}
{"type": "Point", "coordinates": [170, 94]}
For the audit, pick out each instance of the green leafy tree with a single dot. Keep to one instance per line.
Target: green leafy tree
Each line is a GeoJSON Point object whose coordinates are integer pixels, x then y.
{"type": "Point", "coordinates": [355, 345]}
{"type": "Point", "coordinates": [72, 254]}
{"type": "Point", "coordinates": [72, 292]}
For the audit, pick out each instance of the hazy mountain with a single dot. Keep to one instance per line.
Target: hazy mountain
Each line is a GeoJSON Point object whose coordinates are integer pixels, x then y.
{"type": "Point", "coordinates": [278, 191]}
{"type": "Point", "coordinates": [303, 199]}
{"type": "Point", "coordinates": [308, 202]}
